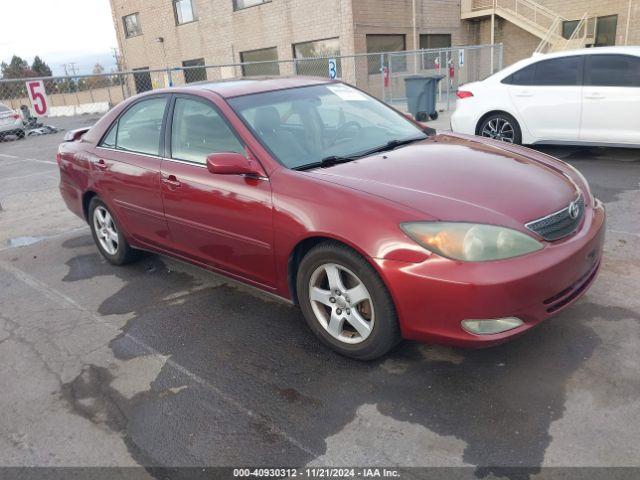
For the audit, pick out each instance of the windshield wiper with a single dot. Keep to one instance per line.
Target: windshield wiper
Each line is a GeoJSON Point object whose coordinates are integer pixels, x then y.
{"type": "Point", "coordinates": [328, 162]}
{"type": "Point", "coordinates": [336, 159]}
{"type": "Point", "coordinates": [392, 144]}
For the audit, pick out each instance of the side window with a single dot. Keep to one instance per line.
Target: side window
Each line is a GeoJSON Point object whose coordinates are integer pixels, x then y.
{"type": "Point", "coordinates": [139, 127]}
{"type": "Point", "coordinates": [198, 130]}
{"type": "Point", "coordinates": [613, 71]}
{"type": "Point", "coordinates": [110, 139]}
{"type": "Point", "coordinates": [562, 71]}
{"type": "Point", "coordinates": [524, 76]}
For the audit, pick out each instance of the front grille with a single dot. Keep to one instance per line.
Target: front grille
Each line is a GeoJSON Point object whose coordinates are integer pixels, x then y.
{"type": "Point", "coordinates": [559, 224]}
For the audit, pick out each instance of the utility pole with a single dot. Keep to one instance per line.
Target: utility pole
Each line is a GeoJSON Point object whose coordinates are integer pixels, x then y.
{"type": "Point", "coordinates": [72, 67]}
{"type": "Point", "coordinates": [66, 72]}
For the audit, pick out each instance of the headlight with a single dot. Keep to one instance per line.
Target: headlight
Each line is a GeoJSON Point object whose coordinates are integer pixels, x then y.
{"type": "Point", "coordinates": [470, 242]}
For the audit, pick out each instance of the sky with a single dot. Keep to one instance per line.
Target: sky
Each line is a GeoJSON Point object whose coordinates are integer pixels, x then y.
{"type": "Point", "coordinates": [59, 31]}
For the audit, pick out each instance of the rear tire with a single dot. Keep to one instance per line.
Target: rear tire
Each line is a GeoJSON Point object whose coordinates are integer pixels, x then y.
{"type": "Point", "coordinates": [345, 302]}
{"type": "Point", "coordinates": [501, 126]}
{"type": "Point", "coordinates": [108, 235]}
{"type": "Point", "coordinates": [21, 134]}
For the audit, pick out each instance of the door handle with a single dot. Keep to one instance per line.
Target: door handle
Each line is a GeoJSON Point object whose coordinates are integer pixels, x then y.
{"type": "Point", "coordinates": [524, 93]}
{"type": "Point", "coordinates": [171, 181]}
{"type": "Point", "coordinates": [100, 163]}
{"type": "Point", "coordinates": [594, 96]}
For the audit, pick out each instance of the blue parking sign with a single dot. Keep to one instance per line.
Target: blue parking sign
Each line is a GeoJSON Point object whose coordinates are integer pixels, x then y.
{"type": "Point", "coordinates": [333, 69]}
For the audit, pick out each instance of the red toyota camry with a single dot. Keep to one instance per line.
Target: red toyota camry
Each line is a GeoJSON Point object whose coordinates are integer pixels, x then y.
{"type": "Point", "coordinates": [314, 191]}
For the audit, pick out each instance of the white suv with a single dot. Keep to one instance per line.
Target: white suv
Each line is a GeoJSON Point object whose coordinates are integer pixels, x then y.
{"type": "Point", "coordinates": [10, 123]}
{"type": "Point", "coordinates": [586, 97]}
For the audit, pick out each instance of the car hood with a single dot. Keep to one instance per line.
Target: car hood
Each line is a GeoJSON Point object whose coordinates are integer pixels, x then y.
{"type": "Point", "coordinates": [460, 179]}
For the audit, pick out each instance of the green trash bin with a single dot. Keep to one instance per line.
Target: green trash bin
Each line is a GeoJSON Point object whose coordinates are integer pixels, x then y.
{"type": "Point", "coordinates": [421, 95]}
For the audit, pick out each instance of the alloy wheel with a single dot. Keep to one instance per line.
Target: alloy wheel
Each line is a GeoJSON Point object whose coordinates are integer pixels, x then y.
{"type": "Point", "coordinates": [105, 229]}
{"type": "Point", "coordinates": [499, 128]}
{"type": "Point", "coordinates": [341, 303]}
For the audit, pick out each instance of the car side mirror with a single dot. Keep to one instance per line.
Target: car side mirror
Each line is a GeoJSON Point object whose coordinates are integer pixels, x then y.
{"type": "Point", "coordinates": [232, 163]}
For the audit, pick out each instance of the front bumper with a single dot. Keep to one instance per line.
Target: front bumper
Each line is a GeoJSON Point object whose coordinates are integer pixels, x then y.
{"type": "Point", "coordinates": [433, 297]}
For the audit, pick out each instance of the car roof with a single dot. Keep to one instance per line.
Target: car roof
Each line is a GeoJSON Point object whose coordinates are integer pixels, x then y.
{"type": "Point", "coordinates": [536, 57]}
{"type": "Point", "coordinates": [629, 50]}
{"type": "Point", "coordinates": [247, 86]}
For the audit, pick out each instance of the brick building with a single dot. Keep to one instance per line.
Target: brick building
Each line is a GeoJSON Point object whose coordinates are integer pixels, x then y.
{"type": "Point", "coordinates": [153, 34]}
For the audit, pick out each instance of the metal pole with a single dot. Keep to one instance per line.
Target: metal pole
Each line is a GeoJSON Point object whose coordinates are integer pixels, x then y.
{"type": "Point", "coordinates": [448, 79]}
{"type": "Point", "coordinates": [384, 92]}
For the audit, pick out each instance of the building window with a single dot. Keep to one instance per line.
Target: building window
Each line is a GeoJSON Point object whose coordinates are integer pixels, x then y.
{"type": "Point", "coordinates": [435, 40]}
{"type": "Point", "coordinates": [386, 43]}
{"type": "Point", "coordinates": [131, 25]}
{"type": "Point", "coordinates": [269, 55]}
{"type": "Point", "coordinates": [184, 11]}
{"type": "Point", "coordinates": [306, 54]}
{"type": "Point", "coordinates": [606, 30]}
{"type": "Point", "coordinates": [194, 70]}
{"type": "Point", "coordinates": [240, 4]}
{"type": "Point", "coordinates": [568, 27]}
{"type": "Point", "coordinates": [142, 79]}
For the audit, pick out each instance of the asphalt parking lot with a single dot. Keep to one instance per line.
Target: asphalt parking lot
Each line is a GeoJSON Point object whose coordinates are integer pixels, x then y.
{"type": "Point", "coordinates": [160, 363]}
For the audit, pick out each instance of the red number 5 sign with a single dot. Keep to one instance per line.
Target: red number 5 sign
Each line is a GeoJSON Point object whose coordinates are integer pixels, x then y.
{"type": "Point", "coordinates": [38, 97]}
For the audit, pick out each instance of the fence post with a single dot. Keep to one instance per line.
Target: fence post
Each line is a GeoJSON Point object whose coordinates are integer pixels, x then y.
{"type": "Point", "coordinates": [448, 57]}
{"type": "Point", "coordinates": [384, 92]}
{"type": "Point", "coordinates": [169, 79]}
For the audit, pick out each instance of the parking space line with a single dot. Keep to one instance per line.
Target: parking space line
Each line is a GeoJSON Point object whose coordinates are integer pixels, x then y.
{"type": "Point", "coordinates": [622, 232]}
{"type": "Point", "coordinates": [25, 176]}
{"type": "Point", "coordinates": [41, 161]}
{"type": "Point", "coordinates": [64, 300]}
{"type": "Point", "coordinates": [8, 156]}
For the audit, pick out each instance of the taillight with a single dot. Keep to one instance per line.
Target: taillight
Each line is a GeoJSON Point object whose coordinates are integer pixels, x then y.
{"type": "Point", "coordinates": [464, 94]}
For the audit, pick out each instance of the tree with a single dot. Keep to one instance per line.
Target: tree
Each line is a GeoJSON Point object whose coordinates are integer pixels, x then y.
{"type": "Point", "coordinates": [40, 68]}
{"type": "Point", "coordinates": [99, 80]}
{"type": "Point", "coordinates": [16, 68]}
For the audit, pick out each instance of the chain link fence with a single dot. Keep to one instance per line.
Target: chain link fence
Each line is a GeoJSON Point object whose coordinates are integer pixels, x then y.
{"type": "Point", "coordinates": [456, 66]}
{"type": "Point", "coordinates": [379, 74]}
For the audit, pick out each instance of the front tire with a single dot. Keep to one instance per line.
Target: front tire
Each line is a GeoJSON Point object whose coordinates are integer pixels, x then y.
{"type": "Point", "coordinates": [501, 126]}
{"type": "Point", "coordinates": [108, 235]}
{"type": "Point", "coordinates": [345, 302]}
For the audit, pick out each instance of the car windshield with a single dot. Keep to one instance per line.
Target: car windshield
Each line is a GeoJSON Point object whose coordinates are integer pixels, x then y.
{"type": "Point", "coordinates": [304, 126]}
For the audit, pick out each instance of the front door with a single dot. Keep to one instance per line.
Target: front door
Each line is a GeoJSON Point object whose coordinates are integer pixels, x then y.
{"type": "Point", "coordinates": [547, 96]}
{"type": "Point", "coordinates": [224, 221]}
{"type": "Point", "coordinates": [611, 99]}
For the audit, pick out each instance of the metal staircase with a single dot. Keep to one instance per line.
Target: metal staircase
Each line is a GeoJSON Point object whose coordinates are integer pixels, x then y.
{"type": "Point", "coordinates": [535, 19]}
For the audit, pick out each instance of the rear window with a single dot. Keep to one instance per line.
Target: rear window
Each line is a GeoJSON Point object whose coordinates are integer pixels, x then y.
{"type": "Point", "coordinates": [613, 71]}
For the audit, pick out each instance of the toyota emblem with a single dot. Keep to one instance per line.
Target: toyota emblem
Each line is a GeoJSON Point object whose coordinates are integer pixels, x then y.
{"type": "Point", "coordinates": [574, 210]}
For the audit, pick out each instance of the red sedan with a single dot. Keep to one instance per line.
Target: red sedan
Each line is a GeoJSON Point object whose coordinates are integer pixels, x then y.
{"type": "Point", "coordinates": [313, 191]}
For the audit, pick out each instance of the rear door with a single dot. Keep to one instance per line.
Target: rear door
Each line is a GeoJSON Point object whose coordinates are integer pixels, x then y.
{"type": "Point", "coordinates": [127, 166]}
{"type": "Point", "coordinates": [547, 96]}
{"type": "Point", "coordinates": [611, 99]}
{"type": "Point", "coordinates": [223, 221]}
